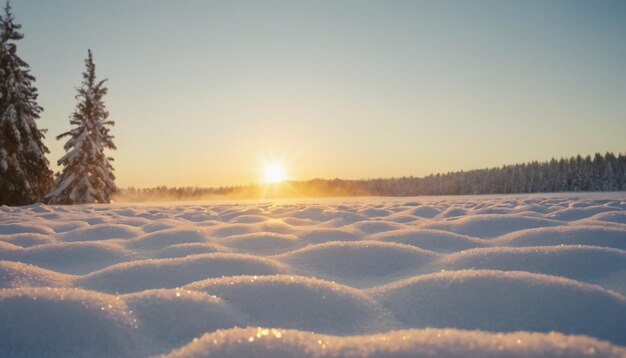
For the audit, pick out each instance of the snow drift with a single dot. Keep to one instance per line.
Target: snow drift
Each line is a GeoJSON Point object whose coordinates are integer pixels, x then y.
{"type": "Point", "coordinates": [507, 276]}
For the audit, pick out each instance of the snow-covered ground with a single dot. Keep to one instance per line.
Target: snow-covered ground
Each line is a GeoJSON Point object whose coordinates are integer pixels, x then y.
{"type": "Point", "coordinates": [438, 276]}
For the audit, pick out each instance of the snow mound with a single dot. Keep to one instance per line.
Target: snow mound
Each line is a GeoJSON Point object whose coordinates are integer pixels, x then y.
{"type": "Point", "coordinates": [38, 208]}
{"type": "Point", "coordinates": [339, 217]}
{"type": "Point", "coordinates": [157, 226]}
{"type": "Point", "coordinates": [160, 239]}
{"type": "Point", "coordinates": [373, 212]}
{"type": "Point", "coordinates": [318, 236]}
{"type": "Point", "coordinates": [572, 214]}
{"type": "Point", "coordinates": [297, 222]}
{"type": "Point", "coordinates": [567, 235]}
{"type": "Point", "coordinates": [197, 217]}
{"type": "Point", "coordinates": [362, 263]}
{"type": "Point", "coordinates": [372, 227]}
{"type": "Point", "coordinates": [424, 211]}
{"type": "Point", "coordinates": [262, 342]}
{"type": "Point", "coordinates": [171, 318]}
{"type": "Point", "coordinates": [531, 208]}
{"type": "Point", "coordinates": [506, 301]}
{"type": "Point", "coordinates": [261, 243]}
{"type": "Point", "coordinates": [452, 212]}
{"type": "Point", "coordinates": [249, 219]}
{"type": "Point", "coordinates": [24, 228]}
{"type": "Point", "coordinates": [434, 240]}
{"type": "Point", "coordinates": [496, 209]}
{"type": "Point", "coordinates": [403, 219]}
{"type": "Point", "coordinates": [182, 250]}
{"type": "Point", "coordinates": [312, 213]}
{"type": "Point", "coordinates": [17, 274]}
{"type": "Point", "coordinates": [492, 225]}
{"type": "Point", "coordinates": [169, 273]}
{"type": "Point", "coordinates": [277, 227]}
{"type": "Point", "coordinates": [100, 232]}
{"type": "Point", "coordinates": [233, 213]}
{"type": "Point", "coordinates": [234, 229]}
{"type": "Point", "coordinates": [27, 239]}
{"type": "Point", "coordinates": [72, 258]}
{"type": "Point", "coordinates": [62, 322]}
{"type": "Point", "coordinates": [298, 302]}
{"type": "Point", "coordinates": [618, 217]}
{"type": "Point", "coordinates": [6, 247]}
{"type": "Point", "coordinates": [586, 263]}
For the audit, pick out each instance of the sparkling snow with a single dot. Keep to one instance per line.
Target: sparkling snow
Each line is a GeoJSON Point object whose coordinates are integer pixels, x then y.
{"type": "Point", "coordinates": [509, 276]}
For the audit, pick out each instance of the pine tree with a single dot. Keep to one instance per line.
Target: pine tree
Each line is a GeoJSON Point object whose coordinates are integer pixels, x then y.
{"type": "Point", "coordinates": [24, 174]}
{"type": "Point", "coordinates": [609, 183]}
{"type": "Point", "coordinates": [87, 175]}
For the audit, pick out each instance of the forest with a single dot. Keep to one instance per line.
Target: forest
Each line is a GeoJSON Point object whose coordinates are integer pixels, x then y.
{"type": "Point", "coordinates": [87, 175]}
{"type": "Point", "coordinates": [598, 173]}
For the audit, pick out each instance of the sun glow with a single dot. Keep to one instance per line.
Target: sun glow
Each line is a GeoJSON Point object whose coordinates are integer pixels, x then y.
{"type": "Point", "coordinates": [274, 173]}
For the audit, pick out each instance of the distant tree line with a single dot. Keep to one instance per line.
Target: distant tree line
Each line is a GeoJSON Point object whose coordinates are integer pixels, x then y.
{"type": "Point", "coordinates": [87, 176]}
{"type": "Point", "coordinates": [598, 173]}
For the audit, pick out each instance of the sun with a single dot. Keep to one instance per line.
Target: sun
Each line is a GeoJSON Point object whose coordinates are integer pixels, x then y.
{"type": "Point", "coordinates": [274, 173]}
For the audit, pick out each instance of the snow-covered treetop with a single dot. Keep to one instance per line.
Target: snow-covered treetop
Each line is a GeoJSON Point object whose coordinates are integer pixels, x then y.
{"type": "Point", "coordinates": [9, 29]}
{"type": "Point", "coordinates": [87, 176]}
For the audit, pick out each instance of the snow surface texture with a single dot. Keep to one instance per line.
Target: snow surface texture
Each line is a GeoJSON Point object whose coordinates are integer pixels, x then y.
{"type": "Point", "coordinates": [509, 276]}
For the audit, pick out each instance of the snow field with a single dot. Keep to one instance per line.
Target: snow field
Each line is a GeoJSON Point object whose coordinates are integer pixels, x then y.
{"type": "Point", "coordinates": [269, 343]}
{"type": "Point", "coordinates": [452, 276]}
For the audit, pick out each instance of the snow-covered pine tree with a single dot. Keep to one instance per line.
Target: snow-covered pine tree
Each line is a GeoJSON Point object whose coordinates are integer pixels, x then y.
{"type": "Point", "coordinates": [87, 175]}
{"type": "Point", "coordinates": [609, 182]}
{"type": "Point", "coordinates": [24, 174]}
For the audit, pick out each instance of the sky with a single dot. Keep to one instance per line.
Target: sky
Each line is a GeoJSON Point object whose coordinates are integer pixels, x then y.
{"type": "Point", "coordinates": [205, 92]}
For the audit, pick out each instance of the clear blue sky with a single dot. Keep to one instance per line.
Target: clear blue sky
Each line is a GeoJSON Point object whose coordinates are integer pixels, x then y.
{"type": "Point", "coordinates": [204, 91]}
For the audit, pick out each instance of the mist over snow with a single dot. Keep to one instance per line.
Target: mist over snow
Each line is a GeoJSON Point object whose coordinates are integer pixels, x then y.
{"type": "Point", "coordinates": [507, 276]}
